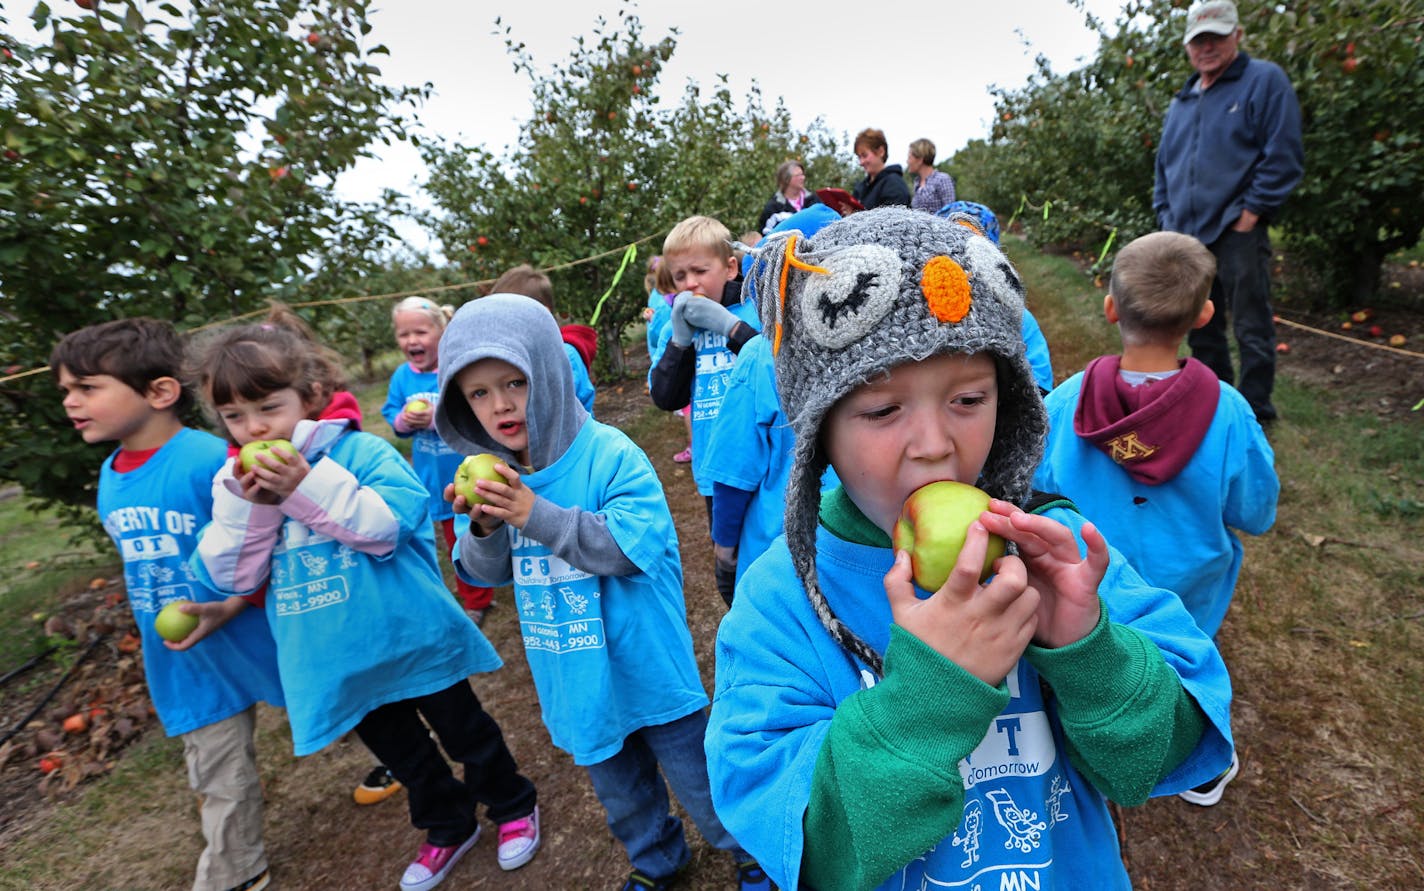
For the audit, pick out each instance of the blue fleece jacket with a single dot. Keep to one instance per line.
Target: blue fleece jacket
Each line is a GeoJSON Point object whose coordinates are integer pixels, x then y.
{"type": "Point", "coordinates": [1235, 146]}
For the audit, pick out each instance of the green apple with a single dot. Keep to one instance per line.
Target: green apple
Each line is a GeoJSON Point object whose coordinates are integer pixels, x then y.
{"type": "Point", "coordinates": [417, 405]}
{"type": "Point", "coordinates": [476, 467]}
{"type": "Point", "coordinates": [247, 455]}
{"type": "Point", "coordinates": [933, 525]}
{"type": "Point", "coordinates": [174, 624]}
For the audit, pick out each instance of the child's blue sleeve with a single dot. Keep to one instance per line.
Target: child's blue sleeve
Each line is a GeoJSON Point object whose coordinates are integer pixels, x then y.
{"type": "Point", "coordinates": [395, 401]}
{"type": "Point", "coordinates": [583, 384]}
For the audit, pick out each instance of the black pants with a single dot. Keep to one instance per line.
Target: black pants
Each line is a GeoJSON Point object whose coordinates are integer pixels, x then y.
{"type": "Point", "coordinates": [439, 803]}
{"type": "Point", "coordinates": [1242, 291]}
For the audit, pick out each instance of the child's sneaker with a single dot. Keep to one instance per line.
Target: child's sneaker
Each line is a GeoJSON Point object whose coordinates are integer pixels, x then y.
{"type": "Point", "coordinates": [684, 456]}
{"type": "Point", "coordinates": [519, 841]}
{"type": "Point", "coordinates": [432, 863]}
{"type": "Point", "coordinates": [751, 877]}
{"type": "Point", "coordinates": [1208, 794]}
{"type": "Point", "coordinates": [256, 883]}
{"type": "Point", "coordinates": [377, 787]}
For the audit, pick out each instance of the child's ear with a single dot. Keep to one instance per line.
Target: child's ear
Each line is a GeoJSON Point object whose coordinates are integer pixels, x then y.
{"type": "Point", "coordinates": [734, 266]}
{"type": "Point", "coordinates": [163, 393]}
{"type": "Point", "coordinates": [1110, 309]}
{"type": "Point", "coordinates": [1207, 311]}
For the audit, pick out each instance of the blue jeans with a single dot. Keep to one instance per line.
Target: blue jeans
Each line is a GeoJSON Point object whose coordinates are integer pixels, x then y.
{"type": "Point", "coordinates": [1242, 289]}
{"type": "Point", "coordinates": [634, 794]}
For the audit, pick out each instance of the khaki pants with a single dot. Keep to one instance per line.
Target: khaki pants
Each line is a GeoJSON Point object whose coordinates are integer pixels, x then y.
{"type": "Point", "coordinates": [222, 768]}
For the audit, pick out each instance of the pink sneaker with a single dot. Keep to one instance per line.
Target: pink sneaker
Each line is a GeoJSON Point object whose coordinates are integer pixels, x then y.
{"type": "Point", "coordinates": [684, 456]}
{"type": "Point", "coordinates": [518, 841]}
{"type": "Point", "coordinates": [432, 863]}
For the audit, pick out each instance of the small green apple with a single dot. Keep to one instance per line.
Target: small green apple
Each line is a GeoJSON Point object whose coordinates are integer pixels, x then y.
{"type": "Point", "coordinates": [247, 455]}
{"type": "Point", "coordinates": [476, 467]}
{"type": "Point", "coordinates": [417, 405]}
{"type": "Point", "coordinates": [174, 624]}
{"type": "Point", "coordinates": [933, 525]}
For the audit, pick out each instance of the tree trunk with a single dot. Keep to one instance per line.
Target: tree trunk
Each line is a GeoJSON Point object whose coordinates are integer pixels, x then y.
{"type": "Point", "coordinates": [1364, 274]}
{"type": "Point", "coordinates": [615, 362]}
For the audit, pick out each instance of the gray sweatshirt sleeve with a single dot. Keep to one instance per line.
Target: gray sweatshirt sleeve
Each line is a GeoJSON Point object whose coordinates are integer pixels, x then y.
{"type": "Point", "coordinates": [579, 537]}
{"type": "Point", "coordinates": [484, 560]}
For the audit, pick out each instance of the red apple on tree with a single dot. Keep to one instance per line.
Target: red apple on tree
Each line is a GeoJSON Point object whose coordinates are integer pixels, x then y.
{"type": "Point", "coordinates": [172, 624]}
{"type": "Point", "coordinates": [473, 468]}
{"type": "Point", "coordinates": [247, 455]}
{"type": "Point", "coordinates": [933, 525]}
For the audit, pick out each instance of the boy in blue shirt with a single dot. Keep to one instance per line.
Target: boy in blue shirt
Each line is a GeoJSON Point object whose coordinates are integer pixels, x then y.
{"type": "Point", "coordinates": [708, 326]}
{"type": "Point", "coordinates": [1166, 458]}
{"type": "Point", "coordinates": [121, 383]}
{"type": "Point", "coordinates": [866, 733]}
{"type": "Point", "coordinates": [580, 526]}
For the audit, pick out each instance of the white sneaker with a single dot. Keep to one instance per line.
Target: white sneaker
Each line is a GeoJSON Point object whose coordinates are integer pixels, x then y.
{"type": "Point", "coordinates": [519, 841]}
{"type": "Point", "coordinates": [1208, 794]}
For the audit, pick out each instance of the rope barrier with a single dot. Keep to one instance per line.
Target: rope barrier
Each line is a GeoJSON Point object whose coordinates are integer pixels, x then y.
{"type": "Point", "coordinates": [1355, 340]}
{"type": "Point", "coordinates": [629, 251]}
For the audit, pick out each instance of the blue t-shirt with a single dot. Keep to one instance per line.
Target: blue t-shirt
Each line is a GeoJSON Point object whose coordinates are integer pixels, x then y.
{"type": "Point", "coordinates": [709, 384]}
{"type": "Point", "coordinates": [434, 462]}
{"type": "Point", "coordinates": [1030, 819]}
{"type": "Point", "coordinates": [354, 629]}
{"type": "Point", "coordinates": [609, 654]}
{"type": "Point", "coordinates": [1178, 534]}
{"type": "Point", "coordinates": [583, 384]}
{"type": "Point", "coordinates": [153, 514]}
{"type": "Point", "coordinates": [750, 449]}
{"type": "Point", "coordinates": [1036, 347]}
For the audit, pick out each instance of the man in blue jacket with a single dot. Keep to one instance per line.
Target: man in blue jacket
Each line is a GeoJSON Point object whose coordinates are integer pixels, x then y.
{"type": "Point", "coordinates": [1229, 156]}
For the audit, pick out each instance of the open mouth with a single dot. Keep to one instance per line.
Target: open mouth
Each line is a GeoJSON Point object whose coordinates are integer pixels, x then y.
{"type": "Point", "coordinates": [510, 428]}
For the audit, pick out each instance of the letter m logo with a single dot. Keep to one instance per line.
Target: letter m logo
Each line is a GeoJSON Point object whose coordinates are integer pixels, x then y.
{"type": "Point", "coordinates": [1019, 881]}
{"type": "Point", "coordinates": [1128, 447]}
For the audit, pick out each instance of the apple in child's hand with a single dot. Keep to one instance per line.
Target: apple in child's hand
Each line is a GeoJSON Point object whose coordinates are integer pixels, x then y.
{"type": "Point", "coordinates": [476, 467]}
{"type": "Point", "coordinates": [173, 624]}
{"type": "Point", "coordinates": [932, 527]}
{"type": "Point", "coordinates": [247, 455]}
{"type": "Point", "coordinates": [417, 405]}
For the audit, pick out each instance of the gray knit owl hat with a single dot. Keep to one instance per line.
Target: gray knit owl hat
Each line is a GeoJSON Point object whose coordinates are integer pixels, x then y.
{"type": "Point", "coordinates": [875, 290]}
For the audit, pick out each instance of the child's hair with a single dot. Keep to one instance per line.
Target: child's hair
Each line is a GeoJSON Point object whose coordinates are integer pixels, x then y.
{"type": "Point", "coordinates": [253, 361]}
{"type": "Point", "coordinates": [650, 277]}
{"type": "Point", "coordinates": [525, 279]}
{"type": "Point", "coordinates": [872, 140]}
{"type": "Point", "coordinates": [136, 352]}
{"type": "Point", "coordinates": [699, 234]}
{"type": "Point", "coordinates": [924, 150]}
{"type": "Point", "coordinates": [749, 238]}
{"type": "Point", "coordinates": [784, 172]}
{"type": "Point", "coordinates": [437, 313]}
{"type": "Point", "coordinates": [666, 286]}
{"type": "Point", "coordinates": [1160, 282]}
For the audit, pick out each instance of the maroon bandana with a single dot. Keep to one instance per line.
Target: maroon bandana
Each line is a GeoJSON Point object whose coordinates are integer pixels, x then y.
{"type": "Point", "coordinates": [1152, 430]}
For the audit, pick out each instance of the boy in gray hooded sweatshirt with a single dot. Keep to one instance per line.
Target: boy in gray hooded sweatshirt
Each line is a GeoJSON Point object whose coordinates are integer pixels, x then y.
{"type": "Point", "coordinates": [581, 528]}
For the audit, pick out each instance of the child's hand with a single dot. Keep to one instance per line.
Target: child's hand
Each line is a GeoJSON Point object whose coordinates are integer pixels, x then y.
{"type": "Point", "coordinates": [212, 615]}
{"type": "Point", "coordinates": [1067, 581]}
{"type": "Point", "coordinates": [272, 480]}
{"type": "Point", "coordinates": [510, 501]}
{"type": "Point", "coordinates": [417, 420]}
{"type": "Point", "coordinates": [983, 629]}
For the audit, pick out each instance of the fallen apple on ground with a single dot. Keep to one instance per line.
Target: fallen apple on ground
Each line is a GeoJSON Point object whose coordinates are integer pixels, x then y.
{"type": "Point", "coordinates": [933, 525]}
{"type": "Point", "coordinates": [247, 455]}
{"type": "Point", "coordinates": [476, 467]}
{"type": "Point", "coordinates": [173, 624]}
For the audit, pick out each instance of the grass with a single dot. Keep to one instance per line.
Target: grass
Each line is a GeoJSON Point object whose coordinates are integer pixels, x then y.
{"type": "Point", "coordinates": [1322, 641]}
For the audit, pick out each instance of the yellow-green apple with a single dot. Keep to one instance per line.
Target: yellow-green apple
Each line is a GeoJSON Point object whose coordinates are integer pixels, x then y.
{"type": "Point", "coordinates": [476, 467]}
{"type": "Point", "coordinates": [174, 624]}
{"type": "Point", "coordinates": [247, 455]}
{"type": "Point", "coordinates": [932, 527]}
{"type": "Point", "coordinates": [417, 405]}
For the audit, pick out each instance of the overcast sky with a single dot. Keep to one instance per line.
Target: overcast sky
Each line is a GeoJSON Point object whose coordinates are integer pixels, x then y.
{"type": "Point", "coordinates": [916, 75]}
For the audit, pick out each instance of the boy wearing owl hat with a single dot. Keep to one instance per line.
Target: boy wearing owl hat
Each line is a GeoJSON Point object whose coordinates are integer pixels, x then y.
{"type": "Point", "coordinates": [866, 733]}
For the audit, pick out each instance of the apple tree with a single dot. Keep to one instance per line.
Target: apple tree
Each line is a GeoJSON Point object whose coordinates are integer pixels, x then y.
{"type": "Point", "coordinates": [600, 164]}
{"type": "Point", "coordinates": [175, 162]}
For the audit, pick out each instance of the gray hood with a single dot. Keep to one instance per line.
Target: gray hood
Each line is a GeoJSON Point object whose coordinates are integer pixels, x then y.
{"type": "Point", "coordinates": [523, 333]}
